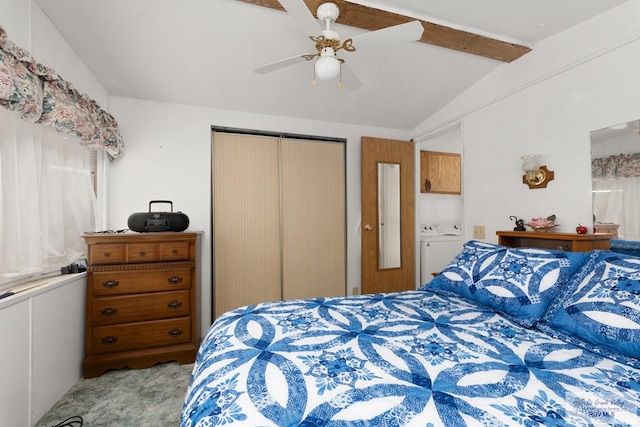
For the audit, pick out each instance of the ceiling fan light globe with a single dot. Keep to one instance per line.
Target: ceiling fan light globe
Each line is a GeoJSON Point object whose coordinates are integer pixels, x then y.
{"type": "Point", "coordinates": [328, 52]}
{"type": "Point", "coordinates": [327, 68]}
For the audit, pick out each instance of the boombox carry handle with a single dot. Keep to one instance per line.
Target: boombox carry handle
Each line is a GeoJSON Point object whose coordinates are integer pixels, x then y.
{"type": "Point", "coordinates": [160, 201]}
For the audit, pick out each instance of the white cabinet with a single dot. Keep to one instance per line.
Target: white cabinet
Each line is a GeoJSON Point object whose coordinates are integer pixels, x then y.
{"type": "Point", "coordinates": [14, 365]}
{"type": "Point", "coordinates": [42, 348]}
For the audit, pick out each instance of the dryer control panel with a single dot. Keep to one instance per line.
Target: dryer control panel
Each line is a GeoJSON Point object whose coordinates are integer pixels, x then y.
{"type": "Point", "coordinates": [440, 230]}
{"type": "Point", "coordinates": [429, 230]}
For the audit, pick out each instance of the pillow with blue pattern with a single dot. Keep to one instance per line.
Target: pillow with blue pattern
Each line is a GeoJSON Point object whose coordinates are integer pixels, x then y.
{"type": "Point", "coordinates": [518, 282]}
{"type": "Point", "coordinates": [602, 307]}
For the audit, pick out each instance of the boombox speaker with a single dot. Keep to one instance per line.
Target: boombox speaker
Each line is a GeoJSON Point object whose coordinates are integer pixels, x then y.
{"type": "Point", "coordinates": [158, 221]}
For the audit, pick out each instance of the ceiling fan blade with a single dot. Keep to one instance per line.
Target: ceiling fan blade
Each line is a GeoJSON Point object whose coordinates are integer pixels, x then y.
{"type": "Point", "coordinates": [410, 31]}
{"type": "Point", "coordinates": [267, 68]}
{"type": "Point", "coordinates": [349, 79]}
{"type": "Point", "coordinates": [303, 16]}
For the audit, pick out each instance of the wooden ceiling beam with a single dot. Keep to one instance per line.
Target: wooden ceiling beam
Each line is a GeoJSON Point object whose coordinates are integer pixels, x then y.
{"type": "Point", "coordinates": [367, 18]}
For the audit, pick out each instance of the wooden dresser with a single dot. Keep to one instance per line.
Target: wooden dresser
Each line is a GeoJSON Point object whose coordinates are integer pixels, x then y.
{"type": "Point", "coordinates": [572, 242]}
{"type": "Point", "coordinates": [141, 307]}
{"type": "Point", "coordinates": [607, 228]}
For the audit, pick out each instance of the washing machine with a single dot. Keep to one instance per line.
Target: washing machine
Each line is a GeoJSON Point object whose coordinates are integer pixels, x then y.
{"type": "Point", "coordinates": [438, 246]}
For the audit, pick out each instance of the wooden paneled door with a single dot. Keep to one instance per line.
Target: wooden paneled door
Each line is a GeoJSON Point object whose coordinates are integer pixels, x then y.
{"type": "Point", "coordinates": [375, 279]}
{"type": "Point", "coordinates": [279, 219]}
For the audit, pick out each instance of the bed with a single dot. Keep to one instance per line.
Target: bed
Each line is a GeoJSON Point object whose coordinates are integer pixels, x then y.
{"type": "Point", "coordinates": [468, 350]}
{"type": "Point", "coordinates": [629, 247]}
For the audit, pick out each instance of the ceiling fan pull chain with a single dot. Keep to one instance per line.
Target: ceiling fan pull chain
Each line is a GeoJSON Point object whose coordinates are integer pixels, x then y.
{"type": "Point", "coordinates": [340, 82]}
{"type": "Point", "coordinates": [313, 83]}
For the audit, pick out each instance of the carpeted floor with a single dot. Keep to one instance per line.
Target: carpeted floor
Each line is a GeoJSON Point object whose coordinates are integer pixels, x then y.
{"type": "Point", "coordinates": [150, 397]}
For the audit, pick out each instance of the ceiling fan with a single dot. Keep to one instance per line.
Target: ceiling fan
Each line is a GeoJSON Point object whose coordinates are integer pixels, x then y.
{"type": "Point", "coordinates": [328, 64]}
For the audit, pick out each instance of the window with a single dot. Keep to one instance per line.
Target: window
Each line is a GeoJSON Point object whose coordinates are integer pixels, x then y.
{"type": "Point", "coordinates": [48, 199]}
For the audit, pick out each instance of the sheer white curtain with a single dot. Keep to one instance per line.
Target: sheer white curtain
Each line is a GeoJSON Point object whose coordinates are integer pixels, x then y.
{"type": "Point", "coordinates": [47, 199]}
{"type": "Point", "coordinates": [618, 201]}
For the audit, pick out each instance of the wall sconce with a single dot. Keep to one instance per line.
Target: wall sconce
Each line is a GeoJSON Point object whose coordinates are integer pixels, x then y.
{"type": "Point", "coordinates": [535, 176]}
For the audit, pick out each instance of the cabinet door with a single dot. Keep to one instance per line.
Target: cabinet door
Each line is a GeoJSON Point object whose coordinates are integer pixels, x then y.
{"type": "Point", "coordinates": [440, 172]}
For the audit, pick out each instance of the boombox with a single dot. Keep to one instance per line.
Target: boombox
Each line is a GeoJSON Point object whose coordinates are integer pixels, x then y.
{"type": "Point", "coordinates": [158, 221]}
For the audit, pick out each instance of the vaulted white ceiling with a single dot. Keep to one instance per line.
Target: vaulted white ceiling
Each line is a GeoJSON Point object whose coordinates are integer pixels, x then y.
{"type": "Point", "coordinates": [202, 52]}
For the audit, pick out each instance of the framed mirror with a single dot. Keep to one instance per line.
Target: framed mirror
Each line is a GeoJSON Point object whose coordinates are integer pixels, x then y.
{"type": "Point", "coordinates": [615, 173]}
{"type": "Point", "coordinates": [389, 242]}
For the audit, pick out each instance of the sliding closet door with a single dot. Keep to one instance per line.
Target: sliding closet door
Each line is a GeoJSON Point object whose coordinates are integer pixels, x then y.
{"type": "Point", "coordinates": [246, 209]}
{"type": "Point", "coordinates": [313, 218]}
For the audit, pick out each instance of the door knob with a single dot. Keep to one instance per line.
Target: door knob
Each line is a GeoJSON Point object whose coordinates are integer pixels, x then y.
{"type": "Point", "coordinates": [368, 227]}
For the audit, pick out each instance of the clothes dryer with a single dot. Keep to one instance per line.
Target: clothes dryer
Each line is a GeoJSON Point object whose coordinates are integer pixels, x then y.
{"type": "Point", "coordinates": [437, 249]}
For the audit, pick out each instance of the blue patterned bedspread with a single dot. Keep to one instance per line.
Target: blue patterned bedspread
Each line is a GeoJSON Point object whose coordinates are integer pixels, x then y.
{"type": "Point", "coordinates": [629, 247]}
{"type": "Point", "coordinates": [404, 359]}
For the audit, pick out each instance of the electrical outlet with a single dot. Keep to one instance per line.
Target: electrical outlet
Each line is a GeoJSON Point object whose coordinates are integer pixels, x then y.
{"type": "Point", "coordinates": [355, 291]}
{"type": "Point", "coordinates": [478, 231]}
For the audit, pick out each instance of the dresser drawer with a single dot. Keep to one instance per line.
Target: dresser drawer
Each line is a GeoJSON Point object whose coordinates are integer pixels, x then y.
{"type": "Point", "coordinates": [138, 336]}
{"type": "Point", "coordinates": [107, 254]}
{"type": "Point", "coordinates": [136, 253]}
{"type": "Point", "coordinates": [174, 251]}
{"type": "Point", "coordinates": [142, 252]}
{"type": "Point", "coordinates": [136, 308]}
{"type": "Point", "coordinates": [140, 281]}
{"type": "Point", "coordinates": [555, 244]}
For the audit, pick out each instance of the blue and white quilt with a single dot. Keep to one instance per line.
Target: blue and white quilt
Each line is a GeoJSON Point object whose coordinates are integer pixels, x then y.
{"type": "Point", "coordinates": [414, 358]}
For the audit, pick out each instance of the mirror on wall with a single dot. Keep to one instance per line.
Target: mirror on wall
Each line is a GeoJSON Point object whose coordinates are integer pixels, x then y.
{"type": "Point", "coordinates": [615, 168]}
{"type": "Point", "coordinates": [389, 215]}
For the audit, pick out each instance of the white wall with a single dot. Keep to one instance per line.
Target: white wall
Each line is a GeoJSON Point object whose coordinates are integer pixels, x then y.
{"type": "Point", "coordinates": [27, 26]}
{"type": "Point", "coordinates": [547, 102]}
{"type": "Point", "coordinates": [15, 20]}
{"type": "Point", "coordinates": [168, 157]}
{"type": "Point", "coordinates": [51, 49]}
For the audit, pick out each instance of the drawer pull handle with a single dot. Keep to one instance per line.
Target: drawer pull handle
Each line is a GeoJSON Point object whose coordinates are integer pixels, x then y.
{"type": "Point", "coordinates": [110, 283]}
{"type": "Point", "coordinates": [174, 280]}
{"type": "Point", "coordinates": [141, 253]}
{"type": "Point", "coordinates": [174, 252]}
{"type": "Point", "coordinates": [174, 304]}
{"type": "Point", "coordinates": [109, 311]}
{"type": "Point", "coordinates": [175, 332]}
{"type": "Point", "coordinates": [106, 254]}
{"type": "Point", "coordinates": [109, 340]}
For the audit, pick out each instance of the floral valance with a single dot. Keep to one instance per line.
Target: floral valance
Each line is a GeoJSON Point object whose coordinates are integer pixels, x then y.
{"type": "Point", "coordinates": [40, 95]}
{"type": "Point", "coordinates": [616, 167]}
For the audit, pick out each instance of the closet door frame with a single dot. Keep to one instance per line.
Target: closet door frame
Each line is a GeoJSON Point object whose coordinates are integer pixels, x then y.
{"type": "Point", "coordinates": [316, 287]}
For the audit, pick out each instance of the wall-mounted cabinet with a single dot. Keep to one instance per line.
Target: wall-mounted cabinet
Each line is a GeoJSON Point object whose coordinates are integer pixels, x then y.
{"type": "Point", "coordinates": [440, 172]}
